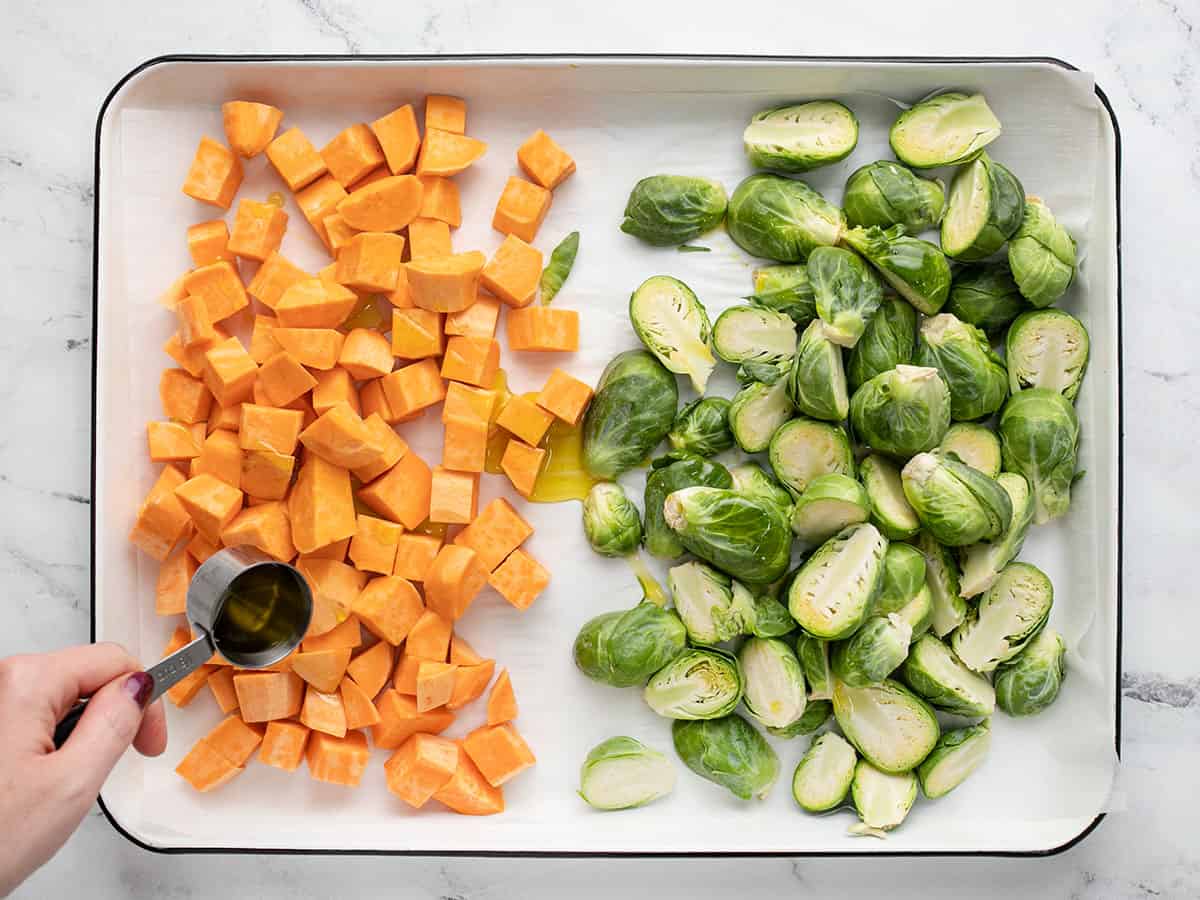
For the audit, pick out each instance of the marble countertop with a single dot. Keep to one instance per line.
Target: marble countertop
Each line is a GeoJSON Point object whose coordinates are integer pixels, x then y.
{"type": "Point", "coordinates": [58, 61]}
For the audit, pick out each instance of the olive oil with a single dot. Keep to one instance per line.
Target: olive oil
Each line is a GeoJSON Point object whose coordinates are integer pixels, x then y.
{"type": "Point", "coordinates": [432, 529]}
{"type": "Point", "coordinates": [367, 313]}
{"type": "Point", "coordinates": [275, 198]}
{"type": "Point", "coordinates": [497, 436]}
{"type": "Point", "coordinates": [253, 615]}
{"type": "Point", "coordinates": [651, 589]}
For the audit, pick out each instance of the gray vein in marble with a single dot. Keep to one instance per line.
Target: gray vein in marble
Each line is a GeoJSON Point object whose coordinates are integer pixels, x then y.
{"type": "Point", "coordinates": [57, 495]}
{"type": "Point", "coordinates": [76, 343]}
{"type": "Point", "coordinates": [1168, 377]}
{"type": "Point", "coordinates": [331, 24]}
{"type": "Point", "coordinates": [1148, 687]}
{"type": "Point", "coordinates": [44, 571]}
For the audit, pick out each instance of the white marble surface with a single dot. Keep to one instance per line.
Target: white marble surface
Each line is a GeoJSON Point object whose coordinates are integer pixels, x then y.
{"type": "Point", "coordinates": [58, 61]}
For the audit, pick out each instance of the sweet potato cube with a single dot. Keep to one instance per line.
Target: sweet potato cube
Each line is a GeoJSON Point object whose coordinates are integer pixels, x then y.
{"type": "Point", "coordinates": [220, 682]}
{"type": "Point", "coordinates": [464, 447]}
{"type": "Point", "coordinates": [366, 354]}
{"type": "Point", "coordinates": [273, 278]}
{"type": "Point", "coordinates": [284, 380]}
{"type": "Point", "coordinates": [454, 580]}
{"type": "Point", "coordinates": [225, 418]}
{"type": "Point", "coordinates": [544, 161]}
{"type": "Point", "coordinates": [414, 387]}
{"type": "Point", "coordinates": [374, 403]}
{"type": "Point", "coordinates": [220, 287]}
{"type": "Point", "coordinates": [229, 372]}
{"type": "Point", "coordinates": [205, 769]}
{"type": "Point", "coordinates": [266, 475]}
{"type": "Point", "coordinates": [477, 320]}
{"type": "Point", "coordinates": [393, 448]}
{"type": "Point", "coordinates": [262, 341]}
{"type": "Point", "coordinates": [234, 739]}
{"type": "Point", "coordinates": [371, 261]}
{"type": "Point", "coordinates": [446, 113]}
{"type": "Point", "coordinates": [462, 653]}
{"type": "Point", "coordinates": [170, 441]}
{"type": "Point", "coordinates": [324, 712]}
{"type": "Point", "coordinates": [170, 590]}
{"type": "Point", "coordinates": [446, 153]}
{"type": "Point", "coordinates": [429, 637]}
{"type": "Point", "coordinates": [352, 154]}
{"type": "Point", "coordinates": [398, 138]}
{"type": "Point", "coordinates": [564, 396]}
{"type": "Point", "coordinates": [295, 159]}
{"type": "Point", "coordinates": [257, 230]}
{"type": "Point", "coordinates": [471, 360]}
{"type": "Point", "coordinates": [195, 324]}
{"type": "Point", "coordinates": [416, 333]}
{"type": "Point", "coordinates": [320, 200]}
{"type": "Point", "coordinates": [317, 348]}
{"type": "Point", "coordinates": [215, 174]}
{"type": "Point", "coordinates": [415, 554]}
{"type": "Point", "coordinates": [207, 242]}
{"type": "Point", "coordinates": [388, 204]}
{"type": "Point", "coordinates": [453, 497]}
{"type": "Point", "coordinates": [545, 328]}
{"type": "Point", "coordinates": [221, 456]}
{"type": "Point", "coordinates": [513, 272]}
{"type": "Point", "coordinates": [201, 548]}
{"type": "Point", "coordinates": [469, 793]}
{"type": "Point", "coordinates": [321, 505]}
{"type": "Point", "coordinates": [176, 292]}
{"type": "Point", "coordinates": [322, 669]}
{"type": "Point", "coordinates": [377, 174]}
{"type": "Point", "coordinates": [337, 760]}
{"type": "Point", "coordinates": [525, 419]}
{"type": "Point", "coordinates": [283, 745]}
{"type": "Point", "coordinates": [360, 711]}
{"type": "Point", "coordinates": [340, 437]}
{"type": "Point", "coordinates": [469, 683]}
{"type": "Point", "coordinates": [428, 238]}
{"type": "Point", "coordinates": [402, 493]}
{"type": "Point", "coordinates": [401, 297]}
{"type": "Point", "coordinates": [190, 359]}
{"type": "Point", "coordinates": [334, 387]}
{"type": "Point", "coordinates": [441, 200]}
{"type": "Point", "coordinates": [520, 579]}
{"type": "Point", "coordinates": [399, 720]}
{"type": "Point", "coordinates": [265, 696]}
{"type": "Point", "coordinates": [497, 531]}
{"type": "Point", "coordinates": [389, 607]}
{"type": "Point", "coordinates": [502, 701]}
{"type": "Point", "coordinates": [315, 304]}
{"type": "Point", "coordinates": [420, 767]}
{"type": "Point", "coordinates": [372, 668]}
{"type": "Point", "coordinates": [211, 503]}
{"type": "Point", "coordinates": [338, 231]}
{"type": "Point", "coordinates": [499, 751]}
{"type": "Point", "coordinates": [249, 127]}
{"type": "Point", "coordinates": [466, 402]}
{"type": "Point", "coordinates": [269, 428]}
{"type": "Point", "coordinates": [264, 526]}
{"type": "Point", "coordinates": [435, 684]}
{"type": "Point", "coordinates": [521, 209]}
{"type": "Point", "coordinates": [405, 678]}
{"type": "Point", "coordinates": [522, 464]}
{"type": "Point", "coordinates": [373, 547]}
{"type": "Point", "coordinates": [445, 283]}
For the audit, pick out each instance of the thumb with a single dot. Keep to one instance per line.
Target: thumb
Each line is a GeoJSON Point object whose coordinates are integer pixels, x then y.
{"type": "Point", "coordinates": [105, 730]}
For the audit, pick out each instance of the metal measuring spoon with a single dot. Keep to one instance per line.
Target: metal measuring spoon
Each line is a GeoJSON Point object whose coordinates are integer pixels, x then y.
{"type": "Point", "coordinates": [250, 608]}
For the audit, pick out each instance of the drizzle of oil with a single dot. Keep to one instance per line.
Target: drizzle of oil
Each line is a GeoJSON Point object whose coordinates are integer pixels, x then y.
{"type": "Point", "coordinates": [651, 589]}
{"type": "Point", "coordinates": [497, 436]}
{"type": "Point", "coordinates": [367, 313]}
{"type": "Point", "coordinates": [432, 529]}
{"type": "Point", "coordinates": [563, 475]}
{"type": "Point", "coordinates": [275, 198]}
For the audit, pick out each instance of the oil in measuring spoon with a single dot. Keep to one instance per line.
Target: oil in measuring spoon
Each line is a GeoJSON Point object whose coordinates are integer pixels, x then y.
{"type": "Point", "coordinates": [249, 620]}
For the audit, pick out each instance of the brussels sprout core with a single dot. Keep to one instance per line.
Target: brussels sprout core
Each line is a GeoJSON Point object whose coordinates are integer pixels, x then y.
{"type": "Point", "coordinates": [889, 725]}
{"type": "Point", "coordinates": [674, 326]}
{"type": "Point", "coordinates": [705, 601]}
{"type": "Point", "coordinates": [752, 334]}
{"type": "Point", "coordinates": [1010, 614]}
{"type": "Point", "coordinates": [1047, 348]}
{"type": "Point", "coordinates": [622, 773]}
{"type": "Point", "coordinates": [803, 449]}
{"type": "Point", "coordinates": [697, 684]}
{"type": "Point", "coordinates": [833, 590]}
{"type": "Point", "coordinates": [774, 692]}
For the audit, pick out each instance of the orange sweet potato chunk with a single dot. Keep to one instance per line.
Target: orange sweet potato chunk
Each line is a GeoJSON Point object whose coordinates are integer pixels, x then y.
{"type": "Point", "coordinates": [373, 547]}
{"type": "Point", "coordinates": [499, 751]}
{"type": "Point", "coordinates": [466, 402]}
{"type": "Point", "coordinates": [462, 653]}
{"type": "Point", "coordinates": [544, 161]}
{"type": "Point", "coordinates": [195, 323]}
{"type": "Point", "coordinates": [345, 636]}
{"type": "Point", "coordinates": [469, 793]}
{"type": "Point", "coordinates": [320, 200]}
{"type": "Point", "coordinates": [205, 769]}
{"type": "Point", "coordinates": [545, 328]}
{"type": "Point", "coordinates": [415, 554]}
{"type": "Point", "coordinates": [220, 682]}
{"type": "Point", "coordinates": [335, 386]}
{"type": "Point", "coordinates": [376, 174]}
{"type": "Point", "coordinates": [453, 496]}
{"type": "Point", "coordinates": [322, 669]}
{"type": "Point", "coordinates": [273, 278]}
{"type": "Point", "coordinates": [295, 159]}
{"type": "Point", "coordinates": [471, 360]}
{"type": "Point", "coordinates": [352, 153]}
{"type": "Point", "coordinates": [446, 153]}
{"type": "Point", "coordinates": [269, 428]}
{"type": "Point", "coordinates": [464, 446]}
{"type": "Point", "coordinates": [315, 303]}
{"type": "Point", "coordinates": [497, 531]}
{"type": "Point", "coordinates": [221, 456]}
{"type": "Point", "coordinates": [521, 209]}
{"type": "Point", "coordinates": [341, 438]}
{"type": "Point", "coordinates": [317, 348]}
{"type": "Point", "coordinates": [477, 320]}
{"type": "Point", "coordinates": [266, 475]}
{"type": "Point", "coordinates": [394, 447]}
{"type": "Point", "coordinates": [469, 683]}
{"type": "Point", "coordinates": [565, 397]}
{"type": "Point", "coordinates": [170, 441]}
{"type": "Point", "coordinates": [370, 261]}
{"type": "Point", "coordinates": [429, 637]}
{"type": "Point", "coordinates": [398, 137]}
{"type": "Point", "coordinates": [220, 287]}
{"type": "Point", "coordinates": [257, 230]}
{"type": "Point", "coordinates": [416, 333]}
{"type": "Point", "coordinates": [513, 272]}
{"type": "Point", "coordinates": [388, 204]}
{"type": "Point", "coordinates": [399, 720]}
{"type": "Point", "coordinates": [522, 464]}
{"type": "Point", "coordinates": [454, 580]}
{"type": "Point", "coordinates": [413, 388]}
{"type": "Point", "coordinates": [215, 174]}
{"type": "Point", "coordinates": [502, 701]}
{"type": "Point", "coordinates": [420, 767]}
{"type": "Point", "coordinates": [360, 711]}
{"type": "Point", "coordinates": [234, 739]}
{"type": "Point", "coordinates": [435, 684]}
{"type": "Point", "coordinates": [249, 126]}
{"type": "Point", "coordinates": [441, 200]}
{"type": "Point", "coordinates": [323, 712]}
{"type": "Point", "coordinates": [402, 493]}
{"type": "Point", "coordinates": [283, 745]}
{"type": "Point", "coordinates": [372, 668]}
{"type": "Point", "coordinates": [389, 607]}
{"type": "Point", "coordinates": [520, 579]}
{"type": "Point", "coordinates": [183, 397]}
{"type": "Point", "coordinates": [201, 548]}
{"type": "Point", "coordinates": [338, 231]}
{"type": "Point", "coordinates": [264, 526]}
{"type": "Point", "coordinates": [207, 242]}
{"type": "Point", "coordinates": [337, 760]}
{"type": "Point", "coordinates": [211, 503]}
{"type": "Point", "coordinates": [229, 372]}
{"type": "Point", "coordinates": [445, 283]}
{"type": "Point", "coordinates": [283, 380]}
{"type": "Point", "coordinates": [265, 696]}
{"type": "Point", "coordinates": [428, 238]}
{"type": "Point", "coordinates": [366, 354]}
{"type": "Point", "coordinates": [525, 419]}
{"type": "Point", "coordinates": [405, 678]}
{"type": "Point", "coordinates": [321, 506]}
{"type": "Point", "coordinates": [446, 113]}
{"type": "Point", "coordinates": [262, 340]}
{"type": "Point", "coordinates": [170, 590]}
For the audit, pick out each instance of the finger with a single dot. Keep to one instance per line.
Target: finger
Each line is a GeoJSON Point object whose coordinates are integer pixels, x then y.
{"type": "Point", "coordinates": [81, 671]}
{"type": "Point", "coordinates": [151, 738]}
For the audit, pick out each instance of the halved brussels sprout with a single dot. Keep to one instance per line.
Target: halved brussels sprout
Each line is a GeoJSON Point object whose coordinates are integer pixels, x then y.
{"type": "Point", "coordinates": [891, 512]}
{"type": "Point", "coordinates": [757, 412]}
{"type": "Point", "coordinates": [847, 293]}
{"type": "Point", "coordinates": [785, 289]}
{"type": "Point", "coordinates": [903, 576]}
{"type": "Point", "coordinates": [817, 384]}
{"type": "Point", "coordinates": [1030, 681]}
{"type": "Point", "coordinates": [667, 475]}
{"type": "Point", "coordinates": [706, 602]}
{"type": "Point", "coordinates": [729, 752]}
{"type": "Point", "coordinates": [611, 521]}
{"type": "Point", "coordinates": [976, 445]}
{"type": "Point", "coordinates": [831, 503]}
{"type": "Point", "coordinates": [986, 296]}
{"type": "Point", "coordinates": [976, 376]}
{"type": "Point", "coordinates": [800, 137]}
{"type": "Point", "coordinates": [885, 193]}
{"type": "Point", "coordinates": [1039, 438]}
{"type": "Point", "coordinates": [958, 753]}
{"type": "Point", "coordinates": [774, 682]}
{"type": "Point", "coordinates": [943, 130]}
{"type": "Point", "coordinates": [623, 773]}
{"type": "Point", "coordinates": [632, 412]}
{"type": "Point", "coordinates": [903, 411]}
{"type": "Point", "coordinates": [699, 683]}
{"type": "Point", "coordinates": [743, 536]}
{"type": "Point", "coordinates": [942, 579]}
{"type": "Point", "coordinates": [803, 449]}
{"type": "Point", "coordinates": [957, 504]}
{"type": "Point", "coordinates": [916, 269]}
{"type": "Point", "coordinates": [672, 209]}
{"type": "Point", "coordinates": [753, 334]}
{"type": "Point", "coordinates": [674, 326]}
{"type": "Point", "coordinates": [1010, 614]}
{"type": "Point", "coordinates": [982, 563]}
{"type": "Point", "coordinates": [873, 652]}
{"type": "Point", "coordinates": [702, 427]}
{"type": "Point", "coordinates": [891, 727]}
{"type": "Point", "coordinates": [750, 479]}
{"type": "Point", "coordinates": [935, 673]}
{"type": "Point", "coordinates": [881, 799]}
{"type": "Point", "coordinates": [816, 714]}
{"type": "Point", "coordinates": [1047, 348]}
{"type": "Point", "coordinates": [823, 775]}
{"type": "Point", "coordinates": [888, 342]}
{"type": "Point", "coordinates": [1041, 255]}
{"type": "Point", "coordinates": [781, 218]}
{"type": "Point", "coordinates": [918, 612]}
{"type": "Point", "coordinates": [771, 618]}
{"type": "Point", "coordinates": [813, 654]}
{"type": "Point", "coordinates": [984, 210]}
{"type": "Point", "coordinates": [832, 593]}
{"type": "Point", "coordinates": [625, 648]}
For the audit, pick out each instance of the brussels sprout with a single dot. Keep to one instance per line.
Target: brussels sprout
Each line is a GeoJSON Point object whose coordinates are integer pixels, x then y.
{"type": "Point", "coordinates": [1041, 255]}
{"type": "Point", "coordinates": [816, 714]}
{"type": "Point", "coordinates": [625, 648]}
{"type": "Point", "coordinates": [881, 799]}
{"type": "Point", "coordinates": [1039, 438]}
{"type": "Point", "coordinates": [611, 521]}
{"type": "Point", "coordinates": [891, 727]}
{"type": "Point", "coordinates": [699, 683]}
{"type": "Point", "coordinates": [943, 130]}
{"type": "Point", "coordinates": [562, 260]}
{"type": "Point", "coordinates": [750, 480]}
{"type": "Point", "coordinates": [771, 618]}
{"type": "Point", "coordinates": [903, 411]}
{"type": "Point", "coordinates": [756, 413]}
{"type": "Point", "coordinates": [743, 536]}
{"type": "Point", "coordinates": [631, 413]}
{"type": "Point", "coordinates": [667, 475]}
{"type": "Point", "coordinates": [781, 218]}
{"type": "Point", "coordinates": [916, 269]}
{"type": "Point", "coordinates": [982, 563]}
{"type": "Point", "coordinates": [817, 384]}
{"type": "Point", "coordinates": [1010, 614]}
{"type": "Point", "coordinates": [801, 137]}
{"type": "Point", "coordinates": [831, 503]}
{"type": "Point", "coordinates": [890, 509]}
{"type": "Point", "coordinates": [707, 604]}
{"type": "Point", "coordinates": [1030, 681]}
{"type": "Point", "coordinates": [985, 295]}
{"type": "Point", "coordinates": [1047, 348]}
{"type": "Point", "coordinates": [823, 775]}
{"type": "Point", "coordinates": [984, 209]}
{"type": "Point", "coordinates": [729, 752]}
{"type": "Point", "coordinates": [918, 612]}
{"type": "Point", "coordinates": [832, 593]}
{"type": "Point", "coordinates": [774, 682]}
{"type": "Point", "coordinates": [813, 654]}
{"type": "Point", "coordinates": [803, 449]}
{"type": "Point", "coordinates": [935, 673]}
{"type": "Point", "coordinates": [873, 652]}
{"type": "Point", "coordinates": [885, 193]}
{"type": "Point", "coordinates": [622, 773]}
{"type": "Point", "coordinates": [672, 209]}
{"type": "Point", "coordinates": [674, 326]}
{"type": "Point", "coordinates": [847, 293]}
{"type": "Point", "coordinates": [785, 289]}
{"type": "Point", "coordinates": [960, 352]}
{"type": "Point", "coordinates": [958, 753]}
{"type": "Point", "coordinates": [702, 427]}
{"type": "Point", "coordinates": [752, 334]}
{"type": "Point", "coordinates": [903, 576]}
{"type": "Point", "coordinates": [957, 504]}
{"type": "Point", "coordinates": [976, 445]}
{"type": "Point", "coordinates": [942, 579]}
{"type": "Point", "coordinates": [888, 342]}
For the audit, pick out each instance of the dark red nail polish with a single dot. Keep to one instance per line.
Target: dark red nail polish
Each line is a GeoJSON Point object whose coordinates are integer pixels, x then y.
{"type": "Point", "coordinates": [138, 687]}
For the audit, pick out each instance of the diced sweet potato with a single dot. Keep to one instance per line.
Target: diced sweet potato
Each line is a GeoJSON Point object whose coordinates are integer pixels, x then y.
{"type": "Point", "coordinates": [372, 668]}
{"type": "Point", "coordinates": [399, 720]}
{"type": "Point", "coordinates": [264, 526]}
{"type": "Point", "coordinates": [428, 238]}
{"type": "Point", "coordinates": [521, 209]}
{"type": "Point", "coordinates": [477, 320]}
{"type": "Point", "coordinates": [389, 607]}
{"type": "Point", "coordinates": [435, 684]}
{"type": "Point", "coordinates": [373, 547]}
{"type": "Point", "coordinates": [170, 441]}
{"type": "Point", "coordinates": [374, 403]}
{"type": "Point", "coordinates": [497, 531]}
{"type": "Point", "coordinates": [471, 360]}
{"type": "Point", "coordinates": [469, 793]}
{"type": "Point", "coordinates": [201, 548]}
{"type": "Point", "coordinates": [513, 272]}
{"type": "Point", "coordinates": [502, 701]}
{"type": "Point", "coordinates": [398, 137]}
{"type": "Point", "coordinates": [220, 287]}
{"type": "Point", "coordinates": [335, 551]}
{"type": "Point", "coordinates": [401, 297]}
{"type": "Point", "coordinates": [170, 590]}
{"type": "Point", "coordinates": [446, 153]}
{"type": "Point", "coordinates": [522, 464]}
{"type": "Point", "coordinates": [466, 402]}
{"type": "Point", "coordinates": [220, 682]}
{"type": "Point", "coordinates": [183, 397]}
{"type": "Point", "coordinates": [266, 475]}
{"type": "Point", "coordinates": [340, 437]}
{"type": "Point", "coordinates": [317, 348]}
{"type": "Point", "coordinates": [525, 419]}
{"type": "Point", "coordinates": [215, 174]}
{"type": "Point", "coordinates": [334, 386]}
{"type": "Point", "coordinates": [264, 696]}
{"type": "Point", "coordinates": [377, 174]}
{"type": "Point", "coordinates": [320, 200]}
{"type": "Point", "coordinates": [415, 554]}
{"type": "Point", "coordinates": [323, 712]}
{"type": "Point", "coordinates": [207, 243]}
{"type": "Point", "coordinates": [420, 767]}
{"type": "Point", "coordinates": [273, 278]}
{"type": "Point", "coordinates": [229, 372]}
{"type": "Point", "coordinates": [360, 711]}
{"type": "Point", "coordinates": [161, 520]}
{"type": "Point", "coordinates": [283, 745]}
{"type": "Point", "coordinates": [249, 126]}
{"type": "Point", "coordinates": [413, 388]}
{"type": "Point", "coordinates": [321, 505]}
{"type": "Point", "coordinates": [352, 154]}
{"type": "Point", "coordinates": [546, 328]}
{"type": "Point", "coordinates": [454, 580]}
{"type": "Point", "coordinates": [402, 493]}
{"type": "Point", "coordinates": [346, 635]}
{"type": "Point", "coordinates": [322, 669]}
{"type": "Point", "coordinates": [416, 333]}
{"type": "Point", "coordinates": [262, 341]}
{"type": "Point", "coordinates": [337, 760]}
{"type": "Point", "coordinates": [205, 769]}
{"type": "Point", "coordinates": [453, 497]}
{"type": "Point", "coordinates": [295, 159]}
{"type": "Point", "coordinates": [195, 324]}
{"type": "Point", "coordinates": [371, 261]}
{"type": "Point", "coordinates": [211, 503]}
{"type": "Point", "coordinates": [386, 205]}
{"type": "Point", "coordinates": [464, 447]}
{"type": "Point", "coordinates": [269, 428]}
{"type": "Point", "coordinates": [315, 303]}
{"type": "Point", "coordinates": [334, 587]}
{"type": "Point", "coordinates": [225, 418]}
{"type": "Point", "coordinates": [257, 230]}
{"type": "Point", "coordinates": [520, 579]}
{"type": "Point", "coordinates": [234, 739]}
{"type": "Point", "coordinates": [283, 380]}
{"type": "Point", "coordinates": [366, 354]}
{"type": "Point", "coordinates": [338, 231]}
{"type": "Point", "coordinates": [441, 200]}
{"type": "Point", "coordinates": [499, 751]}
{"type": "Point", "coordinates": [469, 683]}
{"type": "Point", "coordinates": [446, 113]}
{"type": "Point", "coordinates": [445, 283]}
{"type": "Point", "coordinates": [544, 161]}
{"type": "Point", "coordinates": [462, 653]}
{"type": "Point", "coordinates": [220, 456]}
{"type": "Point", "coordinates": [393, 448]}
{"type": "Point", "coordinates": [564, 396]}
{"type": "Point", "coordinates": [405, 678]}
{"type": "Point", "coordinates": [429, 637]}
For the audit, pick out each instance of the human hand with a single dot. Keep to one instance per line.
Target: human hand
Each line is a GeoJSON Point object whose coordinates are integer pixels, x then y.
{"type": "Point", "coordinates": [45, 793]}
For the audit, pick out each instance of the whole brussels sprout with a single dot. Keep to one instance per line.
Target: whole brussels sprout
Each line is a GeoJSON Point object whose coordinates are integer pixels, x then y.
{"type": "Point", "coordinates": [958, 753]}
{"type": "Point", "coordinates": [702, 427]}
{"type": "Point", "coordinates": [832, 593]}
{"type": "Point", "coordinates": [1010, 614]}
{"type": "Point", "coordinates": [983, 563]}
{"type": "Point", "coordinates": [881, 799]}
{"type": "Point", "coordinates": [957, 504]}
{"type": "Point", "coordinates": [985, 295]}
{"type": "Point", "coordinates": [611, 521]}
{"type": "Point", "coordinates": [623, 773]}
{"type": "Point", "coordinates": [697, 684]}
{"type": "Point", "coordinates": [942, 579]}
{"type": "Point", "coordinates": [935, 673]}
{"type": "Point", "coordinates": [903, 576]}
{"type": "Point", "coordinates": [873, 652]}
{"type": "Point", "coordinates": [771, 618]}
{"type": "Point", "coordinates": [1030, 681]}
{"type": "Point", "coordinates": [752, 334]}
{"type": "Point", "coordinates": [976, 445]}
{"type": "Point", "coordinates": [813, 654]}
{"type": "Point", "coordinates": [817, 384]}
{"type": "Point", "coordinates": [800, 137]}
{"type": "Point", "coordinates": [750, 479]}
{"type": "Point", "coordinates": [673, 324]}
{"type": "Point", "coordinates": [1047, 348]}
{"type": "Point", "coordinates": [667, 475]}
{"type": "Point", "coordinates": [903, 411]}
{"type": "Point", "coordinates": [816, 714]}
{"type": "Point", "coordinates": [916, 269]}
{"type": "Point", "coordinates": [625, 648]}
{"type": "Point", "coordinates": [887, 342]}
{"type": "Point", "coordinates": [782, 219]}
{"type": "Point", "coordinates": [1041, 255]}
{"type": "Point", "coordinates": [630, 414]}
{"type": "Point", "coordinates": [729, 752]}
{"type": "Point", "coordinates": [785, 289]}
{"type": "Point", "coordinates": [831, 503]}
{"type": "Point", "coordinates": [804, 449]}
{"type": "Point", "coordinates": [1039, 438]}
{"type": "Point", "coordinates": [891, 512]}
{"type": "Point", "coordinates": [884, 193]}
{"type": "Point", "coordinates": [672, 209]}
{"type": "Point", "coordinates": [888, 724]}
{"type": "Point", "coordinates": [774, 682]}
{"type": "Point", "coordinates": [943, 130]}
{"type": "Point", "coordinates": [984, 210]}
{"type": "Point", "coordinates": [742, 536]}
{"type": "Point", "coordinates": [960, 352]}
{"type": "Point", "coordinates": [847, 293]}
{"type": "Point", "coordinates": [757, 412]}
{"type": "Point", "coordinates": [822, 777]}
{"type": "Point", "coordinates": [705, 599]}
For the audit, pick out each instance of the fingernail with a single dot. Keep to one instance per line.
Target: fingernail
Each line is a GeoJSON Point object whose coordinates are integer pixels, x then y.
{"type": "Point", "coordinates": [138, 687]}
